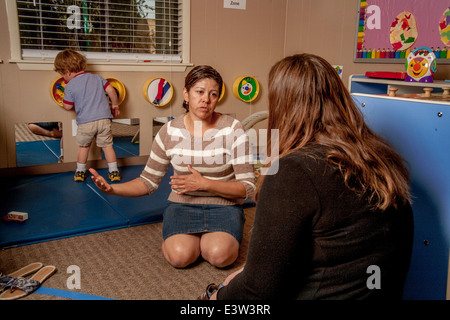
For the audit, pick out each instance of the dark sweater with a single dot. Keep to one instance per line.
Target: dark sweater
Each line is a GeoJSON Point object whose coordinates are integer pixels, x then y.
{"type": "Point", "coordinates": [313, 238]}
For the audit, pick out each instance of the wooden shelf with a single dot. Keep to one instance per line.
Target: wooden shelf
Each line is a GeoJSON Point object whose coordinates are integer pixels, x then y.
{"type": "Point", "coordinates": [404, 90]}
{"type": "Point", "coordinates": [436, 84]}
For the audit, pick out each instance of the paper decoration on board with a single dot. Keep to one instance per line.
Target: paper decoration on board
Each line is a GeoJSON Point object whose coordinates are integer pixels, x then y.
{"type": "Point", "coordinates": [444, 27]}
{"type": "Point", "coordinates": [57, 90]}
{"type": "Point", "coordinates": [246, 88]}
{"type": "Point", "coordinates": [118, 87]}
{"type": "Point", "coordinates": [339, 70]}
{"type": "Point", "coordinates": [420, 65]}
{"type": "Point", "coordinates": [158, 91]}
{"type": "Point", "coordinates": [403, 32]}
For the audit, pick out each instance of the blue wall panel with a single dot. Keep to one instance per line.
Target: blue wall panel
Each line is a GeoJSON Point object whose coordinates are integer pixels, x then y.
{"type": "Point", "coordinates": [420, 132]}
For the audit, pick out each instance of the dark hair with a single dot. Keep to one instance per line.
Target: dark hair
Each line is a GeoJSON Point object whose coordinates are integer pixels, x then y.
{"type": "Point", "coordinates": [199, 73]}
{"type": "Point", "coordinates": [69, 60]}
{"type": "Point", "coordinates": [309, 105]}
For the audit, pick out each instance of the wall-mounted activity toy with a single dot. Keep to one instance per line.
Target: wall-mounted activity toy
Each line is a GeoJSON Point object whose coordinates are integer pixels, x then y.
{"type": "Point", "coordinates": [158, 91]}
{"type": "Point", "coordinates": [119, 87]}
{"type": "Point", "coordinates": [222, 93]}
{"type": "Point", "coordinates": [420, 65]}
{"type": "Point", "coordinates": [58, 86]}
{"type": "Point", "coordinates": [246, 88]}
{"type": "Point", "coordinates": [57, 90]}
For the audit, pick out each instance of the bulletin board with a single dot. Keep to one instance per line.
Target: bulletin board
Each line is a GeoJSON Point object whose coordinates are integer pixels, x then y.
{"type": "Point", "coordinates": [388, 30]}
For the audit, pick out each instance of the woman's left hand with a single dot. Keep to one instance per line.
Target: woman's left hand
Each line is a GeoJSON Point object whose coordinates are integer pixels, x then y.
{"type": "Point", "coordinates": [188, 182]}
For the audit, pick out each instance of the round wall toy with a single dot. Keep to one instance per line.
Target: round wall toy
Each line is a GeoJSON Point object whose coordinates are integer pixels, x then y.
{"type": "Point", "coordinates": [223, 92]}
{"type": "Point", "coordinates": [246, 88]}
{"type": "Point", "coordinates": [158, 91]}
{"type": "Point", "coordinates": [58, 86]}
{"type": "Point", "coordinates": [119, 87]}
{"type": "Point", "coordinates": [420, 65]}
{"type": "Point", "coordinates": [57, 90]}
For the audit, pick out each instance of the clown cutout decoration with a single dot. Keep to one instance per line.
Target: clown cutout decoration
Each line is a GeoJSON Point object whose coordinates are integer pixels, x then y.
{"type": "Point", "coordinates": [420, 65]}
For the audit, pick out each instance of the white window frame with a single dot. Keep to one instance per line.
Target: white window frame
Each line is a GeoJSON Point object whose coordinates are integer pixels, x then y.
{"type": "Point", "coordinates": [98, 61]}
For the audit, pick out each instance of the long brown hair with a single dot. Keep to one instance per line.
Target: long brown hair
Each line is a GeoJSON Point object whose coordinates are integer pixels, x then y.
{"type": "Point", "coordinates": [309, 105]}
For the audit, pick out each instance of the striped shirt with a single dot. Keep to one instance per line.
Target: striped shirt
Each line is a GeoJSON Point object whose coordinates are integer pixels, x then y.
{"type": "Point", "coordinates": [221, 154]}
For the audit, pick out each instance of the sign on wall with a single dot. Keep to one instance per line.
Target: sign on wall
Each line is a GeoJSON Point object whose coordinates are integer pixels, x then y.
{"type": "Point", "coordinates": [235, 4]}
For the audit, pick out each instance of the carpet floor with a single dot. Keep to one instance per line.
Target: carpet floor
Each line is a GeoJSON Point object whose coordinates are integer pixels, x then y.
{"type": "Point", "coordinates": [123, 264]}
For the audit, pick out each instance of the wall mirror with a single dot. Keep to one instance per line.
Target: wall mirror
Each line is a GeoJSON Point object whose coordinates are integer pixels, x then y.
{"type": "Point", "coordinates": [39, 143]}
{"type": "Point", "coordinates": [158, 122]}
{"type": "Point", "coordinates": [125, 137]}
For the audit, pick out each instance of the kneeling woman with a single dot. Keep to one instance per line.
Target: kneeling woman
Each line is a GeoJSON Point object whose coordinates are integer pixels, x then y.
{"type": "Point", "coordinates": [209, 152]}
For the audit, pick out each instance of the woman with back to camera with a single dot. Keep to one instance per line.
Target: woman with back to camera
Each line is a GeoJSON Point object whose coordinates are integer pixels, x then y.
{"type": "Point", "coordinates": [335, 220]}
{"type": "Point", "coordinates": [209, 152]}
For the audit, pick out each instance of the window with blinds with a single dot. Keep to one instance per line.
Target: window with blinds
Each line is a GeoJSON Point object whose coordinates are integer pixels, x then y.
{"type": "Point", "coordinates": [138, 30]}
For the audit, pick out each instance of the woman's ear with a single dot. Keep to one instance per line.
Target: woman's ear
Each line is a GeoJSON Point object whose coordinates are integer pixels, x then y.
{"type": "Point", "coordinates": [185, 95]}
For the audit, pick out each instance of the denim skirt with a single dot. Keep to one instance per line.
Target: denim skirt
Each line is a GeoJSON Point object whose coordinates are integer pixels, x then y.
{"type": "Point", "coordinates": [180, 218]}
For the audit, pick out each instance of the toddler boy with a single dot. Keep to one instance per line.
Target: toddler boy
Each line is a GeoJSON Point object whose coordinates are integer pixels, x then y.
{"type": "Point", "coordinates": [86, 93]}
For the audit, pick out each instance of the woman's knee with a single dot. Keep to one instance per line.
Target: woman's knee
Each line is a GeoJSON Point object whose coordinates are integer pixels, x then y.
{"type": "Point", "coordinates": [220, 258]}
{"type": "Point", "coordinates": [179, 254]}
{"type": "Point", "coordinates": [220, 252]}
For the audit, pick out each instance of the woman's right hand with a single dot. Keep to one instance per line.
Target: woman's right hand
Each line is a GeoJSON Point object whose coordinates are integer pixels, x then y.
{"type": "Point", "coordinates": [100, 182]}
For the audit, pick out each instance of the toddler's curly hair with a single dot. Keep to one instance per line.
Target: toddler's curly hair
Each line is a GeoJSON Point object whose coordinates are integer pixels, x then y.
{"type": "Point", "coordinates": [69, 60]}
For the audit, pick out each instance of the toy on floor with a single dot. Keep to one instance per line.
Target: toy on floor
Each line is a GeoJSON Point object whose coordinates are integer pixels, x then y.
{"type": "Point", "coordinates": [421, 65]}
{"type": "Point", "coordinates": [16, 216]}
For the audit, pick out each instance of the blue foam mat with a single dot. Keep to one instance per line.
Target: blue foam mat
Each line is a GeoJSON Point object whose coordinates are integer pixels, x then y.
{"type": "Point", "coordinates": [37, 152]}
{"type": "Point", "coordinates": [32, 153]}
{"type": "Point", "coordinates": [58, 207]}
{"type": "Point", "coordinates": [123, 147]}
